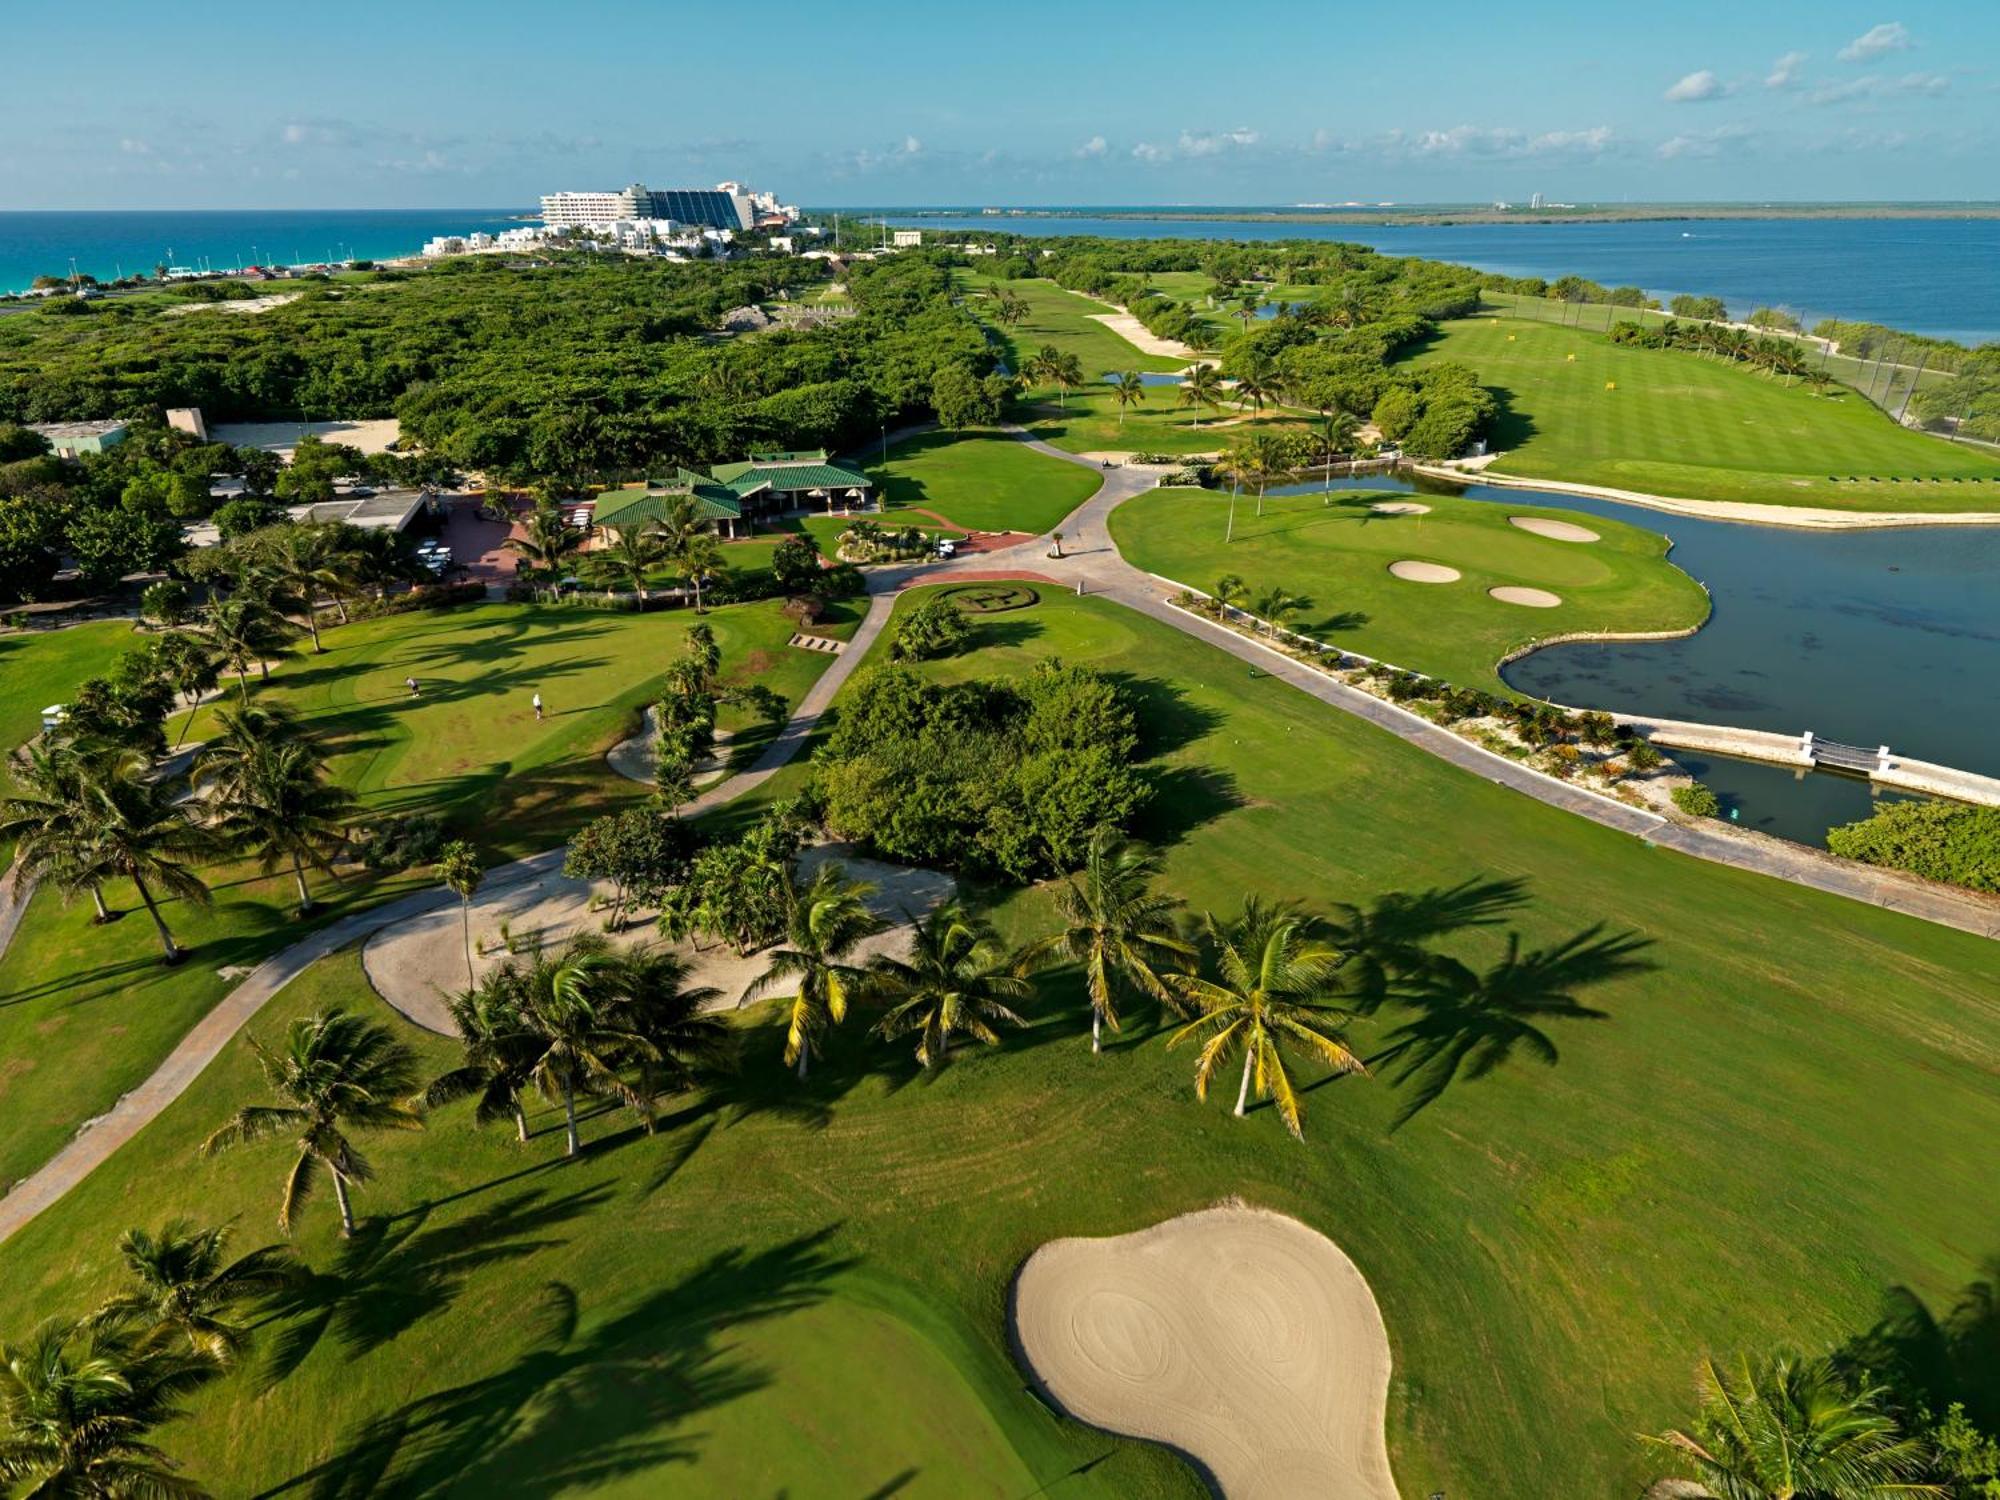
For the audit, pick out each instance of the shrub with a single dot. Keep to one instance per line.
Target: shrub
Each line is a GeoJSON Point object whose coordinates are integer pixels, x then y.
{"type": "Point", "coordinates": [935, 628]}
{"type": "Point", "coordinates": [1696, 800]}
{"type": "Point", "coordinates": [398, 843]}
{"type": "Point", "coordinates": [435, 596]}
{"type": "Point", "coordinates": [1937, 840]}
{"type": "Point", "coordinates": [1643, 757]}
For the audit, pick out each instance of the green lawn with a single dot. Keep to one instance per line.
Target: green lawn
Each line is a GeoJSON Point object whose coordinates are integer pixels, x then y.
{"type": "Point", "coordinates": [86, 1012]}
{"type": "Point", "coordinates": [1741, 1150]}
{"type": "Point", "coordinates": [1087, 420]}
{"type": "Point", "coordinates": [1336, 556]}
{"type": "Point", "coordinates": [980, 482]}
{"type": "Point", "coordinates": [1682, 424]}
{"type": "Point", "coordinates": [43, 667]}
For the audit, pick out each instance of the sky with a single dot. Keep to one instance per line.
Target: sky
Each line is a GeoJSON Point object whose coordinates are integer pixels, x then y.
{"type": "Point", "coordinates": [489, 103]}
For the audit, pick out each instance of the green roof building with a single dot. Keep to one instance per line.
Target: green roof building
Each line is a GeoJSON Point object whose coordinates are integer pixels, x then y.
{"type": "Point", "coordinates": [736, 496]}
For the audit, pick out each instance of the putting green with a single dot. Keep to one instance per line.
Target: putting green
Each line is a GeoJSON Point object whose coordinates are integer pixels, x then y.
{"type": "Point", "coordinates": [1362, 572]}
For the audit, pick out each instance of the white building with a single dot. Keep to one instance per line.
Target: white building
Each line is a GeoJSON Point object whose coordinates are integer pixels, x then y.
{"type": "Point", "coordinates": [908, 239]}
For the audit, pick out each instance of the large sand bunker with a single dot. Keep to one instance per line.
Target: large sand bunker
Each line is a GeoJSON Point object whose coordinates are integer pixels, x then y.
{"type": "Point", "coordinates": [1239, 1337]}
{"type": "Point", "coordinates": [1507, 593]}
{"type": "Point", "coordinates": [1555, 531]}
{"type": "Point", "coordinates": [1423, 572]}
{"type": "Point", "coordinates": [1399, 508]}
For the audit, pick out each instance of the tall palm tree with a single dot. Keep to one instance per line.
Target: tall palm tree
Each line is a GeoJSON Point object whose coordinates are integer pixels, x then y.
{"type": "Point", "coordinates": [247, 629]}
{"type": "Point", "coordinates": [499, 1053]}
{"type": "Point", "coordinates": [1789, 1428]}
{"type": "Point", "coordinates": [683, 1034]}
{"type": "Point", "coordinates": [77, 1406]}
{"type": "Point", "coordinates": [300, 564]}
{"type": "Point", "coordinates": [224, 764]}
{"type": "Point", "coordinates": [145, 834]}
{"type": "Point", "coordinates": [1337, 427]}
{"type": "Point", "coordinates": [332, 1073]}
{"type": "Point", "coordinates": [1116, 927]}
{"type": "Point", "coordinates": [1275, 985]}
{"type": "Point", "coordinates": [276, 806]}
{"type": "Point", "coordinates": [183, 1288]}
{"type": "Point", "coordinates": [700, 562]}
{"type": "Point", "coordinates": [634, 553]}
{"type": "Point", "coordinates": [548, 541]}
{"type": "Point", "coordinates": [955, 982]}
{"type": "Point", "coordinates": [1201, 386]}
{"type": "Point", "coordinates": [1127, 389]}
{"type": "Point", "coordinates": [1257, 386]}
{"type": "Point", "coordinates": [568, 1000]}
{"type": "Point", "coordinates": [823, 925]}
{"type": "Point", "coordinates": [54, 817]}
{"type": "Point", "coordinates": [459, 867]}
{"type": "Point", "coordinates": [190, 666]}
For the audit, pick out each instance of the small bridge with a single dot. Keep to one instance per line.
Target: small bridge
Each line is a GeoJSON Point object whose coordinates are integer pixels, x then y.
{"type": "Point", "coordinates": [1845, 757]}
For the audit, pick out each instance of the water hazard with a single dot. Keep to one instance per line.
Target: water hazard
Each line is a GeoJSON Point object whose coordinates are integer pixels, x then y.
{"type": "Point", "coordinates": [1870, 637]}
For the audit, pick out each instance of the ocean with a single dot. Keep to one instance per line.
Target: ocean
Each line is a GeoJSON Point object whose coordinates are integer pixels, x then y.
{"type": "Point", "coordinates": [1931, 276]}
{"type": "Point", "coordinates": [109, 244]}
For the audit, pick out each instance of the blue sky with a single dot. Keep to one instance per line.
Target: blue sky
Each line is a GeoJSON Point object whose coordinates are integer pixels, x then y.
{"type": "Point", "coordinates": [447, 103]}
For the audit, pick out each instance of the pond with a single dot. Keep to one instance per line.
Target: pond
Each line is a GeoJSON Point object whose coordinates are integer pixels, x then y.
{"type": "Point", "coordinates": [1870, 637]}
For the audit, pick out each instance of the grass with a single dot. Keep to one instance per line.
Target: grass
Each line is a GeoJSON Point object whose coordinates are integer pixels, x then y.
{"type": "Point", "coordinates": [87, 1012]}
{"type": "Point", "coordinates": [44, 667]}
{"type": "Point", "coordinates": [1740, 1151]}
{"type": "Point", "coordinates": [1086, 420]}
{"type": "Point", "coordinates": [1683, 424]}
{"type": "Point", "coordinates": [1337, 558]}
{"type": "Point", "coordinates": [980, 483]}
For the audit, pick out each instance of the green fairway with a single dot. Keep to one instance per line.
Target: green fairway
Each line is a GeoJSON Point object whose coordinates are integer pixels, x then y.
{"type": "Point", "coordinates": [1087, 419]}
{"type": "Point", "coordinates": [43, 668]}
{"type": "Point", "coordinates": [86, 1012]}
{"type": "Point", "coordinates": [980, 482]}
{"type": "Point", "coordinates": [1682, 424]}
{"type": "Point", "coordinates": [1553, 1246]}
{"type": "Point", "coordinates": [1336, 557]}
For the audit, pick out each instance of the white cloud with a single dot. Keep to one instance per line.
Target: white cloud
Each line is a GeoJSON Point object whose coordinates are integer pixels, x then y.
{"type": "Point", "coordinates": [1869, 85]}
{"type": "Point", "coordinates": [1147, 151]}
{"type": "Point", "coordinates": [134, 148]}
{"type": "Point", "coordinates": [912, 146]}
{"type": "Point", "coordinates": [1785, 71]}
{"type": "Point", "coordinates": [1498, 141]}
{"type": "Point", "coordinates": [1923, 83]}
{"type": "Point", "coordinates": [1095, 147]}
{"type": "Point", "coordinates": [1696, 87]}
{"type": "Point", "coordinates": [1890, 36]}
{"type": "Point", "coordinates": [1214, 143]}
{"type": "Point", "coordinates": [1701, 143]}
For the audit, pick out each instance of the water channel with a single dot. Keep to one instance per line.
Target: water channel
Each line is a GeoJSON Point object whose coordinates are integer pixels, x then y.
{"type": "Point", "coordinates": [1870, 637]}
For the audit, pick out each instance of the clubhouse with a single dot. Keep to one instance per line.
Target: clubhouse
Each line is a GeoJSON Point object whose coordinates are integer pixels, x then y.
{"type": "Point", "coordinates": [737, 496]}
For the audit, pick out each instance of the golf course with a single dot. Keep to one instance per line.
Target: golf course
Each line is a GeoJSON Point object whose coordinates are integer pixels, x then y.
{"type": "Point", "coordinates": [1516, 1178]}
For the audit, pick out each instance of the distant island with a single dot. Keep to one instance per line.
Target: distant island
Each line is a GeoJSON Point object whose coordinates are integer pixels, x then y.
{"type": "Point", "coordinates": [1472, 213]}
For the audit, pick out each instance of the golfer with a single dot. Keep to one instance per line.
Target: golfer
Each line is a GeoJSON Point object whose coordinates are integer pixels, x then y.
{"type": "Point", "coordinates": [538, 707]}
{"type": "Point", "coordinates": [411, 684]}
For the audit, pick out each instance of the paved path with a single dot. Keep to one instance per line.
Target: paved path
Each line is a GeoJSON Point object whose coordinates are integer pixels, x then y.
{"type": "Point", "coordinates": [1092, 564]}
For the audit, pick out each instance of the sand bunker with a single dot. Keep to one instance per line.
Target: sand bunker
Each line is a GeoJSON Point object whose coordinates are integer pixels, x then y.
{"type": "Point", "coordinates": [1241, 1338]}
{"type": "Point", "coordinates": [637, 758]}
{"type": "Point", "coordinates": [1533, 598]}
{"type": "Point", "coordinates": [1399, 508]}
{"type": "Point", "coordinates": [418, 963]}
{"type": "Point", "coordinates": [1423, 572]}
{"type": "Point", "coordinates": [1555, 531]}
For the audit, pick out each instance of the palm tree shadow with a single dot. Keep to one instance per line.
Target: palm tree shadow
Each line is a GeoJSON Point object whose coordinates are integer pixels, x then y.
{"type": "Point", "coordinates": [1391, 937]}
{"type": "Point", "coordinates": [1937, 1362]}
{"type": "Point", "coordinates": [585, 1407]}
{"type": "Point", "coordinates": [394, 1273]}
{"type": "Point", "coordinates": [1469, 1023]}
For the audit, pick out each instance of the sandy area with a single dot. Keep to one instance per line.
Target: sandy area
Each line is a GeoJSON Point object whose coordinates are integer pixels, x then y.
{"type": "Point", "coordinates": [372, 436]}
{"type": "Point", "coordinates": [1805, 517]}
{"type": "Point", "coordinates": [1423, 572]}
{"type": "Point", "coordinates": [1400, 508]}
{"type": "Point", "coordinates": [244, 305]}
{"type": "Point", "coordinates": [1134, 333]}
{"type": "Point", "coordinates": [1555, 531]}
{"type": "Point", "coordinates": [1242, 1338]}
{"type": "Point", "coordinates": [1532, 598]}
{"type": "Point", "coordinates": [633, 758]}
{"type": "Point", "coordinates": [417, 964]}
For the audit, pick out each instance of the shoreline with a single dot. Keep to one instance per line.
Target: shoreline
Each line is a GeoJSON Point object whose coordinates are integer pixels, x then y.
{"type": "Point", "coordinates": [1742, 512]}
{"type": "Point", "coordinates": [1444, 218]}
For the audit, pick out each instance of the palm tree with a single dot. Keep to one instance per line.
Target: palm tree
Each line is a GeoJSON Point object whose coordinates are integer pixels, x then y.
{"type": "Point", "coordinates": [332, 1073]}
{"type": "Point", "coordinates": [1231, 591]}
{"type": "Point", "coordinates": [246, 629]}
{"type": "Point", "coordinates": [1274, 985]}
{"type": "Point", "coordinates": [823, 924]}
{"type": "Point", "coordinates": [1337, 427]}
{"type": "Point", "coordinates": [499, 1055]}
{"type": "Point", "coordinates": [700, 562]}
{"type": "Point", "coordinates": [53, 820]}
{"type": "Point", "coordinates": [224, 765]}
{"type": "Point", "coordinates": [190, 666]}
{"type": "Point", "coordinates": [683, 1035]}
{"type": "Point", "coordinates": [1259, 383]}
{"type": "Point", "coordinates": [548, 542]}
{"type": "Point", "coordinates": [1200, 387]}
{"type": "Point", "coordinates": [1127, 389]}
{"type": "Point", "coordinates": [1116, 927]}
{"type": "Point", "coordinates": [77, 1404]}
{"type": "Point", "coordinates": [145, 834]}
{"type": "Point", "coordinates": [183, 1288]}
{"type": "Point", "coordinates": [1788, 1428]}
{"type": "Point", "coordinates": [567, 999]}
{"type": "Point", "coordinates": [634, 553]}
{"type": "Point", "coordinates": [955, 981]}
{"type": "Point", "coordinates": [300, 563]}
{"type": "Point", "coordinates": [275, 805]}
{"type": "Point", "coordinates": [1275, 605]}
{"type": "Point", "coordinates": [459, 868]}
